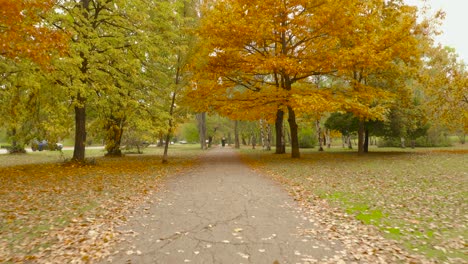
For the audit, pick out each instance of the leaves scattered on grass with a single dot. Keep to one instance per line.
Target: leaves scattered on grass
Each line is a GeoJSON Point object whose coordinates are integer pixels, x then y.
{"type": "Point", "coordinates": [417, 199]}
{"type": "Point", "coordinates": [62, 213]}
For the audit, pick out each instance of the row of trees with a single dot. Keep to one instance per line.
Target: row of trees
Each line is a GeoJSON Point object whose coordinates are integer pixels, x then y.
{"type": "Point", "coordinates": [372, 59]}
{"type": "Point", "coordinates": [118, 70]}
{"type": "Point", "coordinates": [128, 68]}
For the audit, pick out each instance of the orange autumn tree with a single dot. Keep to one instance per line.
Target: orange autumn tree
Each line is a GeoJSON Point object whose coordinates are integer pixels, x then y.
{"type": "Point", "coordinates": [256, 51]}
{"type": "Point", "coordinates": [378, 58]}
{"type": "Point", "coordinates": [23, 32]}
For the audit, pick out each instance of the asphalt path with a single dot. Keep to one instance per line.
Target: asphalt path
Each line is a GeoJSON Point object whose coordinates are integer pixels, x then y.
{"type": "Point", "coordinates": [222, 212]}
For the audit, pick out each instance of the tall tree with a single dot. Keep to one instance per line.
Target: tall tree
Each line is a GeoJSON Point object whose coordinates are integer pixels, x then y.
{"type": "Point", "coordinates": [377, 57]}
{"type": "Point", "coordinates": [97, 64]}
{"type": "Point", "coordinates": [267, 46]}
{"type": "Point", "coordinates": [182, 46]}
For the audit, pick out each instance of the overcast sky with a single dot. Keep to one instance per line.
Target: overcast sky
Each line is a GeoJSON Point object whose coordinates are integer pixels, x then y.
{"type": "Point", "coordinates": [455, 27]}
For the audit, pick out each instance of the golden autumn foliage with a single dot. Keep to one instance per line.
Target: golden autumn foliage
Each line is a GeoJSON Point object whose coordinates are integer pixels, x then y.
{"type": "Point", "coordinates": [65, 212]}
{"type": "Point", "coordinates": [265, 55]}
{"type": "Point", "coordinates": [445, 83]}
{"type": "Point", "coordinates": [23, 32]}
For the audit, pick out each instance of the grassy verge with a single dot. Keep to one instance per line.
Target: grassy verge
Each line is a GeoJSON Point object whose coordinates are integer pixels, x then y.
{"type": "Point", "coordinates": [59, 212]}
{"type": "Point", "coordinates": [418, 198]}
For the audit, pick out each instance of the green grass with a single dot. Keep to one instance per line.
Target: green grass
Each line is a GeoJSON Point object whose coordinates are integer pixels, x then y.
{"type": "Point", "coordinates": [416, 196]}
{"type": "Point", "coordinates": [39, 157]}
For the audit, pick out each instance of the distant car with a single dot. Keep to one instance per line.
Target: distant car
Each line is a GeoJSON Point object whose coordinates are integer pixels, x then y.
{"type": "Point", "coordinates": [183, 142]}
{"type": "Point", "coordinates": [44, 145]}
{"type": "Point", "coordinates": [59, 146]}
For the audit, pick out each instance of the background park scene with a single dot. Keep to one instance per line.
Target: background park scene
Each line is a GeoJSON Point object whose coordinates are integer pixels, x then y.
{"type": "Point", "coordinates": [296, 131]}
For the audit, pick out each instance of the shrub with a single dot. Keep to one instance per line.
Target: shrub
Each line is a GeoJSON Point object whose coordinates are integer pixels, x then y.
{"type": "Point", "coordinates": [307, 138]}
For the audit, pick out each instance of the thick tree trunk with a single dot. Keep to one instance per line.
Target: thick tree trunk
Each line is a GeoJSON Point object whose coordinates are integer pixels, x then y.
{"type": "Point", "coordinates": [280, 147]}
{"type": "Point", "coordinates": [366, 141]}
{"type": "Point", "coordinates": [80, 133]}
{"type": "Point", "coordinates": [294, 133]}
{"type": "Point", "coordinates": [113, 140]}
{"type": "Point", "coordinates": [361, 131]}
{"type": "Point", "coordinates": [201, 118]}
{"type": "Point", "coordinates": [236, 134]}
{"type": "Point", "coordinates": [319, 134]}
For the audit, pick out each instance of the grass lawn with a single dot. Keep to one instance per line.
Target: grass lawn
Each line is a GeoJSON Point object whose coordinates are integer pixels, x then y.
{"type": "Point", "coordinates": [417, 197]}
{"type": "Point", "coordinates": [51, 210]}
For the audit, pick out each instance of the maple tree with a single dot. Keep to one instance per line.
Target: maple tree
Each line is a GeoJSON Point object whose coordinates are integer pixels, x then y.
{"type": "Point", "coordinates": [263, 48]}
{"type": "Point", "coordinates": [23, 33]}
{"type": "Point", "coordinates": [378, 58]}
{"type": "Point", "coordinates": [100, 70]}
{"type": "Point", "coordinates": [263, 56]}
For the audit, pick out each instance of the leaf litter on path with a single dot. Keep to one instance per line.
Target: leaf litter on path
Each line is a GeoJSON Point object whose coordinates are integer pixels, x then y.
{"type": "Point", "coordinates": [60, 213]}
{"type": "Point", "coordinates": [401, 207]}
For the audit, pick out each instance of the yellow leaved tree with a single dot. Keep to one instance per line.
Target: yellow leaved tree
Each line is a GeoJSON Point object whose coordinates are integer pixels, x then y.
{"type": "Point", "coordinates": [256, 51]}
{"type": "Point", "coordinates": [264, 55]}
{"type": "Point", "coordinates": [444, 79]}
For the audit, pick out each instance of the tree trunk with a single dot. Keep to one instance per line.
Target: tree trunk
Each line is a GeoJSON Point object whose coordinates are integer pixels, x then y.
{"type": "Point", "coordinates": [280, 147]}
{"type": "Point", "coordinates": [113, 138]}
{"type": "Point", "coordinates": [366, 140]}
{"type": "Point", "coordinates": [80, 109]}
{"type": "Point", "coordinates": [201, 118]}
{"type": "Point", "coordinates": [361, 131]}
{"type": "Point", "coordinates": [171, 114]}
{"type": "Point", "coordinates": [80, 133]}
{"type": "Point", "coordinates": [160, 140]}
{"type": "Point", "coordinates": [294, 133]}
{"type": "Point", "coordinates": [269, 135]}
{"type": "Point", "coordinates": [319, 134]}
{"type": "Point", "coordinates": [262, 134]}
{"type": "Point", "coordinates": [236, 134]}
{"type": "Point", "coordinates": [327, 135]}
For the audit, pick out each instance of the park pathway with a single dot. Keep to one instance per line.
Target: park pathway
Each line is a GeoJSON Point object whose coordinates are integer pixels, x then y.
{"type": "Point", "coordinates": [222, 212]}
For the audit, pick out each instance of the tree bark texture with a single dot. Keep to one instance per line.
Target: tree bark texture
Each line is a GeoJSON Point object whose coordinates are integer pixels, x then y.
{"type": "Point", "coordinates": [294, 133]}
{"type": "Point", "coordinates": [280, 148]}
{"type": "Point", "coordinates": [80, 133]}
{"type": "Point", "coordinates": [366, 140]}
{"type": "Point", "coordinates": [361, 131]}
{"type": "Point", "coordinates": [201, 118]}
{"type": "Point", "coordinates": [319, 135]}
